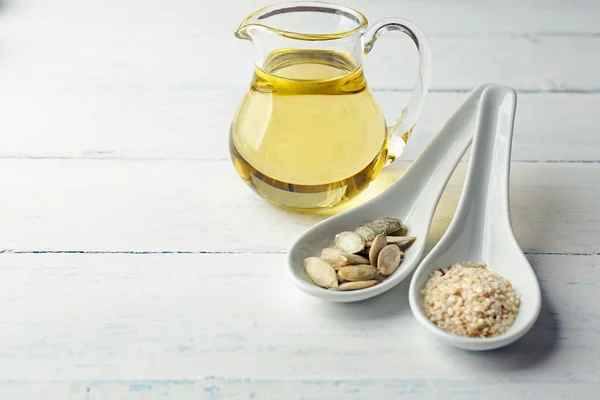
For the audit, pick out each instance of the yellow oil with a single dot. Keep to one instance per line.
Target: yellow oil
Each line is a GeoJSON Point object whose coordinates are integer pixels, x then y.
{"type": "Point", "coordinates": [309, 133]}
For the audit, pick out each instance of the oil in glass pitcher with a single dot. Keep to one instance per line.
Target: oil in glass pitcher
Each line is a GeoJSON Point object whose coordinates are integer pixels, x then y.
{"type": "Point", "coordinates": [309, 133]}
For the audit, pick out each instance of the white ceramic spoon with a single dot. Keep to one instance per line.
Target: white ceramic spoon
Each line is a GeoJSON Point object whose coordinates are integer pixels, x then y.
{"type": "Point", "coordinates": [413, 198]}
{"type": "Point", "coordinates": [481, 228]}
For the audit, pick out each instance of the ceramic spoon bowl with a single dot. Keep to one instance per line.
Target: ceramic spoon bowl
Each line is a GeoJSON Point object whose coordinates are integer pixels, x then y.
{"type": "Point", "coordinates": [481, 228]}
{"type": "Point", "coordinates": [413, 199]}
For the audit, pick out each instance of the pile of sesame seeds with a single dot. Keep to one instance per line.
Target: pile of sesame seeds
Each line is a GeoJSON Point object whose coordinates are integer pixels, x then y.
{"type": "Point", "coordinates": [469, 300]}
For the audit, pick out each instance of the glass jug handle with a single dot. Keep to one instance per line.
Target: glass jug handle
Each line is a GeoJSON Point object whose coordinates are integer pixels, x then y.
{"type": "Point", "coordinates": [399, 132]}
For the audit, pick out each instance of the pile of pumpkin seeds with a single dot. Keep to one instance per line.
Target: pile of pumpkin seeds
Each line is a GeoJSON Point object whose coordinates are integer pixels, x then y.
{"type": "Point", "coordinates": [362, 258]}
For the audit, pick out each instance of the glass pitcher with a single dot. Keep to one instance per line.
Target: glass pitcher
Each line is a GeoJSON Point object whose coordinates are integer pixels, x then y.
{"type": "Point", "coordinates": [309, 133]}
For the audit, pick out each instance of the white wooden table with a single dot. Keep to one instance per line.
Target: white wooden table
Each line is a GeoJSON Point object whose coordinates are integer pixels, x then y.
{"type": "Point", "coordinates": [136, 265]}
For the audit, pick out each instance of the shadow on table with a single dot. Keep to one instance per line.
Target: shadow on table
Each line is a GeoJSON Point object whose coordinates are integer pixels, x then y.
{"type": "Point", "coordinates": [530, 351]}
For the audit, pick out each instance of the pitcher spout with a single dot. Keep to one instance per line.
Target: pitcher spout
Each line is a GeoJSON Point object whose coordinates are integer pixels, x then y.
{"type": "Point", "coordinates": [246, 27]}
{"type": "Point", "coordinates": [242, 32]}
{"type": "Point", "coordinates": [251, 23]}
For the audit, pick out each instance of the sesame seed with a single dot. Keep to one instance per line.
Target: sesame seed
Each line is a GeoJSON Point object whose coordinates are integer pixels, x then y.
{"type": "Point", "coordinates": [469, 300]}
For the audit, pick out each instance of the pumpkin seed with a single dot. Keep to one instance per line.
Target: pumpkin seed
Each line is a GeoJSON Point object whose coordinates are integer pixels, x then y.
{"type": "Point", "coordinates": [384, 225]}
{"type": "Point", "coordinates": [400, 239]}
{"type": "Point", "coordinates": [337, 259]}
{"type": "Point", "coordinates": [379, 243]}
{"type": "Point", "coordinates": [366, 233]}
{"type": "Point", "coordinates": [349, 242]}
{"type": "Point", "coordinates": [355, 259]}
{"type": "Point", "coordinates": [400, 232]}
{"type": "Point", "coordinates": [320, 272]}
{"type": "Point", "coordinates": [334, 257]}
{"type": "Point", "coordinates": [389, 259]}
{"type": "Point", "coordinates": [362, 258]}
{"type": "Point", "coordinates": [357, 285]}
{"type": "Point", "coordinates": [358, 272]}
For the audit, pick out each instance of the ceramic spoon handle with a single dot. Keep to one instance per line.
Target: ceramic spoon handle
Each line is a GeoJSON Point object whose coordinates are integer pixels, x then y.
{"type": "Point", "coordinates": [486, 186]}
{"type": "Point", "coordinates": [433, 168]}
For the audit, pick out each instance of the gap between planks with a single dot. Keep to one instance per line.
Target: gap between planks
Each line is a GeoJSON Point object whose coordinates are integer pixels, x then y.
{"type": "Point", "coordinates": [175, 252]}
{"type": "Point", "coordinates": [199, 159]}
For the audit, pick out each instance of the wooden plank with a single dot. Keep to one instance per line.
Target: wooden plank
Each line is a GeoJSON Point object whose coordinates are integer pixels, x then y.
{"type": "Point", "coordinates": [194, 123]}
{"type": "Point", "coordinates": [339, 389]}
{"type": "Point", "coordinates": [140, 326]}
{"type": "Point", "coordinates": [124, 205]}
{"type": "Point", "coordinates": [536, 46]}
{"type": "Point", "coordinates": [183, 18]}
{"type": "Point", "coordinates": [128, 81]}
{"type": "Point", "coordinates": [528, 63]}
{"type": "Point", "coordinates": [459, 63]}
